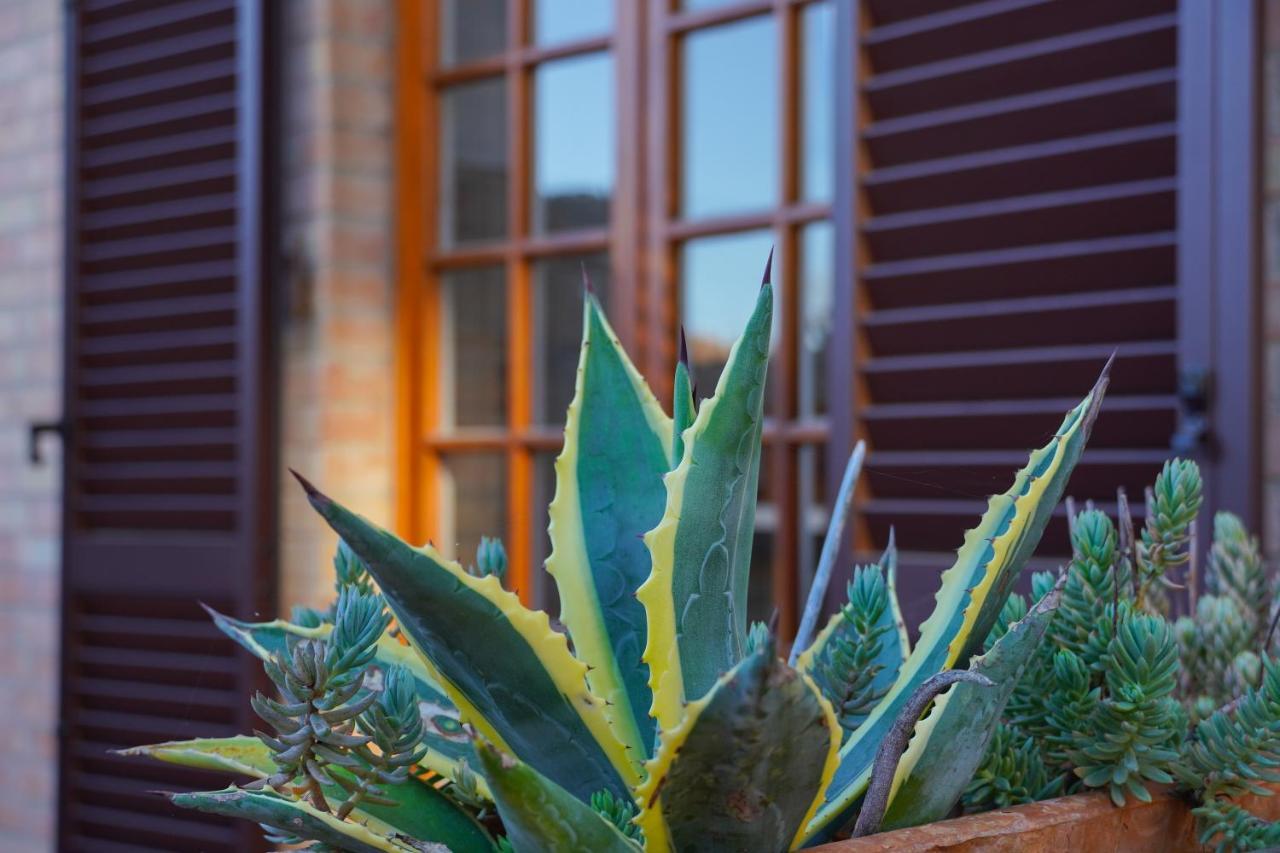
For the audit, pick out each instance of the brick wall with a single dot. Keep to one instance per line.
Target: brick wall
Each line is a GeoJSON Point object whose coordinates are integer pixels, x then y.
{"type": "Point", "coordinates": [30, 389]}
{"type": "Point", "coordinates": [337, 410]}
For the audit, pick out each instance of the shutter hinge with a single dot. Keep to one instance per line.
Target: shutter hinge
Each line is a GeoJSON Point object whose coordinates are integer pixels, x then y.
{"type": "Point", "coordinates": [38, 429]}
{"type": "Point", "coordinates": [1192, 436]}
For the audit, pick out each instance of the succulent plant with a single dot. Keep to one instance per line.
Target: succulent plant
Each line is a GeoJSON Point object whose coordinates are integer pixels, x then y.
{"type": "Point", "coordinates": [1110, 701]}
{"type": "Point", "coordinates": [660, 721]}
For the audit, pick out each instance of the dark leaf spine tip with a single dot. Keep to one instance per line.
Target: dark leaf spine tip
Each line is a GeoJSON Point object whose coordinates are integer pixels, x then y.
{"type": "Point", "coordinates": [684, 348]}
{"type": "Point", "coordinates": [586, 280]}
{"type": "Point", "coordinates": [768, 269]}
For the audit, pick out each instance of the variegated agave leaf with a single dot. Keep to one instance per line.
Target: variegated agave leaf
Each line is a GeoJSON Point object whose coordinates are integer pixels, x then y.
{"type": "Point", "coordinates": [508, 673]}
{"type": "Point", "coordinates": [298, 818]}
{"type": "Point", "coordinates": [971, 594]}
{"type": "Point", "coordinates": [746, 766]}
{"type": "Point", "coordinates": [418, 810]}
{"type": "Point", "coordinates": [695, 600]}
{"type": "Point", "coordinates": [609, 493]}
{"type": "Point", "coordinates": [951, 739]}
{"type": "Point", "coordinates": [446, 741]}
{"type": "Point", "coordinates": [542, 817]}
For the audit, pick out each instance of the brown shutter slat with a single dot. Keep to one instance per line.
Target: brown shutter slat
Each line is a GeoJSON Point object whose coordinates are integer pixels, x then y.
{"type": "Point", "coordinates": [169, 486]}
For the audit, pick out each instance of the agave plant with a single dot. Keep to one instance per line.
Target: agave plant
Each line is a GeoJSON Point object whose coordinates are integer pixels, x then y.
{"type": "Point", "coordinates": [660, 720]}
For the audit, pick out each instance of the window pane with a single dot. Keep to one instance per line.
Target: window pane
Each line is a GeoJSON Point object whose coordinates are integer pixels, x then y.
{"type": "Point", "coordinates": [817, 292]}
{"type": "Point", "coordinates": [473, 502]}
{"type": "Point", "coordinates": [729, 119]}
{"type": "Point", "coordinates": [573, 143]}
{"type": "Point", "coordinates": [557, 324]}
{"type": "Point", "coordinates": [760, 586]}
{"type": "Point", "coordinates": [545, 595]}
{"type": "Point", "coordinates": [690, 5]}
{"type": "Point", "coordinates": [817, 126]}
{"type": "Point", "coordinates": [473, 348]}
{"type": "Point", "coordinates": [473, 162]}
{"type": "Point", "coordinates": [813, 513]}
{"type": "Point", "coordinates": [719, 277]}
{"type": "Point", "coordinates": [472, 29]}
{"type": "Point", "coordinates": [567, 20]}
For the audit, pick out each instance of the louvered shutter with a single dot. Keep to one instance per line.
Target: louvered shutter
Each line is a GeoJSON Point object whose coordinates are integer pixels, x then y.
{"type": "Point", "coordinates": [169, 490]}
{"type": "Point", "coordinates": [1011, 195]}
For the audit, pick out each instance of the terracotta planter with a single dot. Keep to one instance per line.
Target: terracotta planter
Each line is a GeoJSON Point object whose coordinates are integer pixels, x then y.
{"type": "Point", "coordinates": [1081, 822]}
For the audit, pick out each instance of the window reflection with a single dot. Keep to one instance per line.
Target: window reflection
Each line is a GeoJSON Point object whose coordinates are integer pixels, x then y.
{"type": "Point", "coordinates": [817, 129]}
{"type": "Point", "coordinates": [693, 5]}
{"type": "Point", "coordinates": [567, 20]}
{"type": "Point", "coordinates": [729, 119]}
{"type": "Point", "coordinates": [557, 325]}
{"type": "Point", "coordinates": [473, 162]}
{"type": "Point", "coordinates": [473, 347]}
{"type": "Point", "coordinates": [573, 143]}
{"type": "Point", "coordinates": [719, 281]}
{"type": "Point", "coordinates": [817, 293]}
{"type": "Point", "coordinates": [472, 29]}
{"type": "Point", "coordinates": [473, 495]}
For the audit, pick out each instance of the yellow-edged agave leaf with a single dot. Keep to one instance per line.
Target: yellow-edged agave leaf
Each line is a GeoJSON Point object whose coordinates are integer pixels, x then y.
{"type": "Point", "coordinates": [968, 600]}
{"type": "Point", "coordinates": [888, 629]}
{"type": "Point", "coordinates": [746, 766]}
{"type": "Point", "coordinates": [447, 742]}
{"type": "Point", "coordinates": [542, 817]}
{"type": "Point", "coordinates": [695, 600]}
{"type": "Point", "coordinates": [416, 809]}
{"type": "Point", "coordinates": [242, 755]}
{"type": "Point", "coordinates": [508, 673]}
{"type": "Point", "coordinates": [609, 493]}
{"type": "Point", "coordinates": [297, 817]}
{"type": "Point", "coordinates": [949, 742]}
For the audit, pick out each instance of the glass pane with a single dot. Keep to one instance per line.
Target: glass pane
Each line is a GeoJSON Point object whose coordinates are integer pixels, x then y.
{"type": "Point", "coordinates": [473, 347]}
{"type": "Point", "coordinates": [729, 119]}
{"type": "Point", "coordinates": [760, 589]}
{"type": "Point", "coordinates": [567, 20]}
{"type": "Point", "coordinates": [573, 143]}
{"type": "Point", "coordinates": [817, 294]}
{"type": "Point", "coordinates": [690, 5]}
{"type": "Point", "coordinates": [473, 502]}
{"type": "Point", "coordinates": [719, 277]}
{"type": "Point", "coordinates": [814, 513]}
{"type": "Point", "coordinates": [471, 29]}
{"type": "Point", "coordinates": [545, 595]}
{"type": "Point", "coordinates": [557, 324]}
{"type": "Point", "coordinates": [817, 131]}
{"type": "Point", "coordinates": [473, 162]}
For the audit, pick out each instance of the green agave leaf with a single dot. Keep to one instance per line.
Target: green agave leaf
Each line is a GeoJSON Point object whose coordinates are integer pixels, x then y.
{"type": "Point", "coordinates": [420, 811]}
{"type": "Point", "coordinates": [950, 741]}
{"type": "Point", "coordinates": [542, 817]}
{"type": "Point", "coordinates": [894, 646]}
{"type": "Point", "coordinates": [508, 673]}
{"type": "Point", "coordinates": [683, 407]}
{"type": "Point", "coordinates": [446, 741]}
{"type": "Point", "coordinates": [969, 599]}
{"type": "Point", "coordinates": [695, 600]}
{"type": "Point", "coordinates": [746, 767]}
{"type": "Point", "coordinates": [609, 492]}
{"type": "Point", "coordinates": [369, 836]}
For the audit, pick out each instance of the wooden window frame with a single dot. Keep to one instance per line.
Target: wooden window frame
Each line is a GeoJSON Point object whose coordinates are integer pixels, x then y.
{"type": "Point", "coordinates": [643, 240]}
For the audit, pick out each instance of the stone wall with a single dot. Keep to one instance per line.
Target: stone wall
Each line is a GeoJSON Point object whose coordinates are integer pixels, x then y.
{"type": "Point", "coordinates": [338, 408]}
{"type": "Point", "coordinates": [30, 390]}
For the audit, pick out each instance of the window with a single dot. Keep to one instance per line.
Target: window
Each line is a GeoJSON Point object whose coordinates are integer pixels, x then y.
{"type": "Point", "coordinates": [667, 148]}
